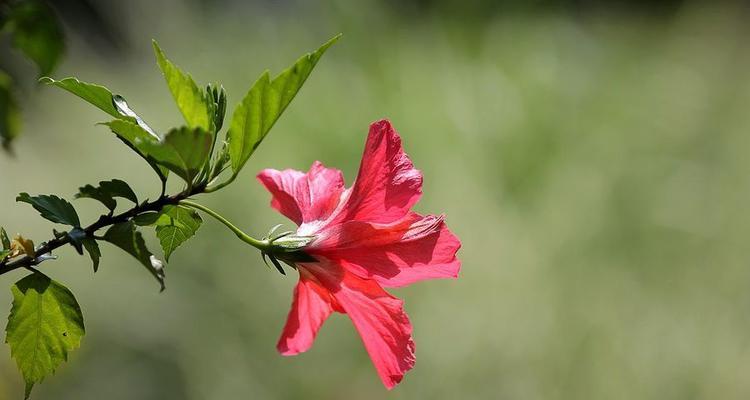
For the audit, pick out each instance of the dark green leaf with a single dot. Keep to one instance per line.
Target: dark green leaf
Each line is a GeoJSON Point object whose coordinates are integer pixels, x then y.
{"type": "Point", "coordinates": [92, 247]}
{"type": "Point", "coordinates": [52, 208]}
{"type": "Point", "coordinates": [146, 219]}
{"type": "Point", "coordinates": [4, 240]}
{"type": "Point", "coordinates": [45, 323]}
{"type": "Point", "coordinates": [95, 193]}
{"type": "Point", "coordinates": [10, 116]}
{"type": "Point", "coordinates": [175, 226]}
{"type": "Point", "coordinates": [190, 99]}
{"type": "Point", "coordinates": [125, 236]}
{"type": "Point", "coordinates": [131, 133]}
{"type": "Point", "coordinates": [3, 254]}
{"type": "Point", "coordinates": [264, 103]}
{"type": "Point", "coordinates": [183, 151]}
{"type": "Point", "coordinates": [119, 188]}
{"type": "Point", "coordinates": [107, 191]}
{"type": "Point", "coordinates": [37, 33]}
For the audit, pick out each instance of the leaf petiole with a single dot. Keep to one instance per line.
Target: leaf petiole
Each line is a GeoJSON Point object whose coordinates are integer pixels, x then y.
{"type": "Point", "coordinates": [211, 189]}
{"type": "Point", "coordinates": [262, 245]}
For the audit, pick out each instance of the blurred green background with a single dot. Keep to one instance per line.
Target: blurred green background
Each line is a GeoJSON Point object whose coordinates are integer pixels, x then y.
{"type": "Point", "coordinates": [593, 160]}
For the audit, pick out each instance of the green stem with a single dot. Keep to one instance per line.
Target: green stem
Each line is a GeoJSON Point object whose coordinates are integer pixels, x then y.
{"type": "Point", "coordinates": [262, 245]}
{"type": "Point", "coordinates": [221, 185]}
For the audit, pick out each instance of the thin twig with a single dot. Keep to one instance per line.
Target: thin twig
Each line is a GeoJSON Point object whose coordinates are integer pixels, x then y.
{"type": "Point", "coordinates": [104, 221]}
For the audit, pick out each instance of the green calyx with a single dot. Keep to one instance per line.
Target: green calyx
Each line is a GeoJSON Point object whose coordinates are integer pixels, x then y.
{"type": "Point", "coordinates": [286, 247]}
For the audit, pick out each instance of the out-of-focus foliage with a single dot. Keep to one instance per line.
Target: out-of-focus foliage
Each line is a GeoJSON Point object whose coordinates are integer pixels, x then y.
{"type": "Point", "coordinates": [36, 32]}
{"type": "Point", "coordinates": [593, 163]}
{"type": "Point", "coordinates": [33, 29]}
{"type": "Point", "coordinates": [10, 117]}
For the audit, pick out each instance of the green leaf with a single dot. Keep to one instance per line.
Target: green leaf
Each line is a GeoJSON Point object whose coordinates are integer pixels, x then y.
{"type": "Point", "coordinates": [119, 188]}
{"type": "Point", "coordinates": [52, 208]}
{"type": "Point", "coordinates": [107, 191]}
{"type": "Point", "coordinates": [37, 33]}
{"type": "Point", "coordinates": [96, 95]}
{"type": "Point", "coordinates": [264, 103]}
{"type": "Point", "coordinates": [175, 226]}
{"type": "Point", "coordinates": [220, 163]}
{"type": "Point", "coordinates": [131, 134]}
{"type": "Point", "coordinates": [183, 151]}
{"type": "Point", "coordinates": [45, 323]}
{"type": "Point", "coordinates": [128, 126]}
{"type": "Point", "coordinates": [4, 240]}
{"type": "Point", "coordinates": [102, 98]}
{"type": "Point", "coordinates": [92, 192]}
{"type": "Point", "coordinates": [124, 109]}
{"type": "Point", "coordinates": [93, 249]}
{"type": "Point", "coordinates": [10, 116]}
{"type": "Point", "coordinates": [190, 99]}
{"type": "Point", "coordinates": [218, 96]}
{"type": "Point", "coordinates": [125, 236]}
{"type": "Point", "coordinates": [5, 243]}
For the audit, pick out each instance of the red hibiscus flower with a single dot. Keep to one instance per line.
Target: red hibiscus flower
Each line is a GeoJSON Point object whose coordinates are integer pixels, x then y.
{"type": "Point", "coordinates": [365, 238]}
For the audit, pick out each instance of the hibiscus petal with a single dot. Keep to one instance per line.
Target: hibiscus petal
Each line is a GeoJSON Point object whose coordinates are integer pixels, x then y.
{"type": "Point", "coordinates": [383, 326]}
{"type": "Point", "coordinates": [387, 184]}
{"type": "Point", "coordinates": [311, 307]}
{"type": "Point", "coordinates": [304, 197]}
{"type": "Point", "coordinates": [379, 318]}
{"type": "Point", "coordinates": [413, 249]}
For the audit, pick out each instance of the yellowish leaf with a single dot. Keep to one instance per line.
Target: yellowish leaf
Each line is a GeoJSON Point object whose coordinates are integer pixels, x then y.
{"type": "Point", "coordinates": [20, 246]}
